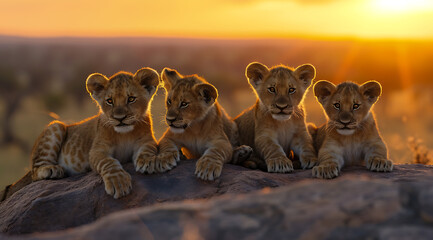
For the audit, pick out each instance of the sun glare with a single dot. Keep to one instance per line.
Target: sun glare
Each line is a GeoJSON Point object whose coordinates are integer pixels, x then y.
{"type": "Point", "coordinates": [402, 5]}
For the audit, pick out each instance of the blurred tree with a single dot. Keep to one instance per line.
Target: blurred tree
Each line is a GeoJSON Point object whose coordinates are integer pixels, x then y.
{"type": "Point", "coordinates": [17, 83]}
{"type": "Point", "coordinates": [77, 84]}
{"type": "Point", "coordinates": [13, 88]}
{"type": "Point", "coordinates": [54, 101]}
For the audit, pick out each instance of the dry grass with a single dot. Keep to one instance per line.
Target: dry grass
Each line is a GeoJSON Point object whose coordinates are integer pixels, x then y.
{"type": "Point", "coordinates": [421, 154]}
{"type": "Point", "coordinates": [14, 164]}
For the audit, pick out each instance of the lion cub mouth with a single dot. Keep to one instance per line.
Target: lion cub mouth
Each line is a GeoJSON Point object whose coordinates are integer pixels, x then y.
{"type": "Point", "coordinates": [281, 116]}
{"type": "Point", "coordinates": [123, 128]}
{"type": "Point", "coordinates": [346, 131]}
{"type": "Point", "coordinates": [178, 129]}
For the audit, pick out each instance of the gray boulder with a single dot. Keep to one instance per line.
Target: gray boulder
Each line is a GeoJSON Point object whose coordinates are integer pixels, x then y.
{"type": "Point", "coordinates": [358, 205]}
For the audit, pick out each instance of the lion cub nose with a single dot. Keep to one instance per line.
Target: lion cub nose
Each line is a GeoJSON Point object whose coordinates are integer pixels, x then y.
{"type": "Point", "coordinates": [170, 118]}
{"type": "Point", "coordinates": [345, 117]}
{"type": "Point", "coordinates": [345, 121]}
{"type": "Point", "coordinates": [119, 118]}
{"type": "Point", "coordinates": [119, 114]}
{"type": "Point", "coordinates": [281, 106]}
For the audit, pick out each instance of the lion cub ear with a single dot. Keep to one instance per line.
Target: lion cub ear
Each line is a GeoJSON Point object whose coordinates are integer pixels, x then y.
{"type": "Point", "coordinates": [323, 90]}
{"type": "Point", "coordinates": [306, 73]}
{"type": "Point", "coordinates": [96, 84]}
{"type": "Point", "coordinates": [207, 92]}
{"type": "Point", "coordinates": [371, 90]}
{"type": "Point", "coordinates": [148, 78]}
{"type": "Point", "coordinates": [256, 72]}
{"type": "Point", "coordinates": [169, 77]}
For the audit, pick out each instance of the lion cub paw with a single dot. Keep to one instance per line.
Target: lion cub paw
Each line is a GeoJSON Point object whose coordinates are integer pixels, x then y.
{"type": "Point", "coordinates": [326, 170]}
{"type": "Point", "coordinates": [308, 160]}
{"type": "Point", "coordinates": [241, 154]}
{"type": "Point", "coordinates": [379, 164]}
{"type": "Point", "coordinates": [279, 165]}
{"type": "Point", "coordinates": [166, 161]}
{"type": "Point", "coordinates": [48, 172]}
{"type": "Point", "coordinates": [118, 184]}
{"type": "Point", "coordinates": [145, 163]}
{"type": "Point", "coordinates": [208, 169]}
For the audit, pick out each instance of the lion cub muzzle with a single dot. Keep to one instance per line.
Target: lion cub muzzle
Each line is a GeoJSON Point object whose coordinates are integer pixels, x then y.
{"type": "Point", "coordinates": [346, 124]}
{"type": "Point", "coordinates": [176, 124]}
{"type": "Point", "coordinates": [282, 109]}
{"type": "Point", "coordinates": [123, 122]}
{"type": "Point", "coordinates": [281, 112]}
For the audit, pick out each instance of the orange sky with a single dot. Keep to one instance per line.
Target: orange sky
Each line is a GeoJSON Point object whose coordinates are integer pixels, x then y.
{"type": "Point", "coordinates": [411, 19]}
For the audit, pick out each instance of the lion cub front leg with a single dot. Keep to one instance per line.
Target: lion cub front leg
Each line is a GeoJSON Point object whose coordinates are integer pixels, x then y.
{"type": "Point", "coordinates": [210, 165]}
{"type": "Point", "coordinates": [274, 155]}
{"type": "Point", "coordinates": [46, 150]}
{"type": "Point", "coordinates": [376, 157]}
{"type": "Point", "coordinates": [168, 155]}
{"type": "Point", "coordinates": [330, 162]}
{"type": "Point", "coordinates": [116, 180]}
{"type": "Point", "coordinates": [302, 145]}
{"type": "Point", "coordinates": [145, 158]}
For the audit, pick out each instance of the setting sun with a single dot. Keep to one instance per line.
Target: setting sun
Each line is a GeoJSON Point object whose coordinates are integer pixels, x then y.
{"type": "Point", "coordinates": [403, 5]}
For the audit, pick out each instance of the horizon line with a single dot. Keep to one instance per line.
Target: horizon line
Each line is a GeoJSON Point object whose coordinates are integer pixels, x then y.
{"type": "Point", "coordinates": [292, 37]}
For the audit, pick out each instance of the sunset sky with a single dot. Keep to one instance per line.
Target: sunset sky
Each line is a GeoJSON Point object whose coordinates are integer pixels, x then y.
{"type": "Point", "coordinates": [411, 19]}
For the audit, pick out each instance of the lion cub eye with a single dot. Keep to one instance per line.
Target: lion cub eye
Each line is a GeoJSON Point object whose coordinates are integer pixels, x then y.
{"type": "Point", "coordinates": [168, 101]}
{"type": "Point", "coordinates": [183, 104]}
{"type": "Point", "coordinates": [271, 90]}
{"type": "Point", "coordinates": [356, 106]}
{"type": "Point", "coordinates": [292, 90]}
{"type": "Point", "coordinates": [337, 106]}
{"type": "Point", "coordinates": [109, 101]}
{"type": "Point", "coordinates": [131, 99]}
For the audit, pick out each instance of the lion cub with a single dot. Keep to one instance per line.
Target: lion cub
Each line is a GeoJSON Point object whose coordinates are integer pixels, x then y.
{"type": "Point", "coordinates": [350, 134]}
{"type": "Point", "coordinates": [198, 125]}
{"type": "Point", "coordinates": [275, 125]}
{"type": "Point", "coordinates": [121, 131]}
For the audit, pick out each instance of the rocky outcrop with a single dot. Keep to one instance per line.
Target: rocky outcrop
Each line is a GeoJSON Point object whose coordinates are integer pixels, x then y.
{"type": "Point", "coordinates": [358, 205]}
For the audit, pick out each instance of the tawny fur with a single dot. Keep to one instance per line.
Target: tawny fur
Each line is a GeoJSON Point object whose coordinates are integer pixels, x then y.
{"type": "Point", "coordinates": [275, 125]}
{"type": "Point", "coordinates": [350, 135]}
{"type": "Point", "coordinates": [120, 132]}
{"type": "Point", "coordinates": [198, 125]}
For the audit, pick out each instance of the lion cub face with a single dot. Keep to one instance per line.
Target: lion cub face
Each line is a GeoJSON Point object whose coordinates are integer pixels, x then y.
{"type": "Point", "coordinates": [124, 98]}
{"type": "Point", "coordinates": [347, 104]}
{"type": "Point", "coordinates": [280, 89]}
{"type": "Point", "coordinates": [188, 99]}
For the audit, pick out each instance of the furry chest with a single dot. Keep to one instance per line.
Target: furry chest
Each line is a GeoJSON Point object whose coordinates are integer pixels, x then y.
{"type": "Point", "coordinates": [353, 153]}
{"type": "Point", "coordinates": [195, 148]}
{"type": "Point", "coordinates": [123, 151]}
{"type": "Point", "coordinates": [284, 137]}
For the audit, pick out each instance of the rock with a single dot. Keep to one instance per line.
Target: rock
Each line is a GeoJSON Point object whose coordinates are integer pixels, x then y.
{"type": "Point", "coordinates": [11, 189]}
{"type": "Point", "coordinates": [358, 205]}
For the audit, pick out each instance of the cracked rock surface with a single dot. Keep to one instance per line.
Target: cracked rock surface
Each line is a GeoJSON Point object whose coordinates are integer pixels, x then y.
{"type": "Point", "coordinates": [240, 204]}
